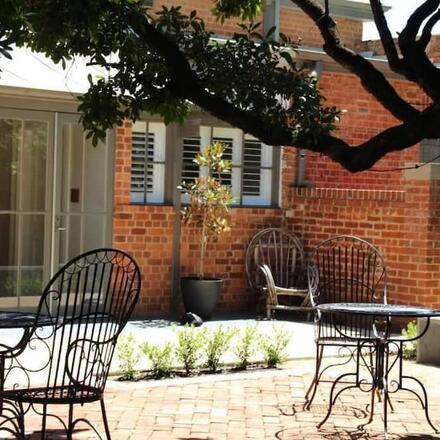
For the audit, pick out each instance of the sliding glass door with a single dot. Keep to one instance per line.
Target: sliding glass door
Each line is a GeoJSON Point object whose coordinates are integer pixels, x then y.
{"type": "Point", "coordinates": [55, 199]}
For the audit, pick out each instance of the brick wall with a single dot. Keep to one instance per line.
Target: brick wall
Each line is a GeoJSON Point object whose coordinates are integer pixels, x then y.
{"type": "Point", "coordinates": [144, 231]}
{"type": "Point", "coordinates": [299, 27]}
{"type": "Point", "coordinates": [396, 211]}
{"type": "Point", "coordinates": [293, 23]}
{"type": "Point", "coordinates": [402, 223]}
{"type": "Point", "coordinates": [363, 118]}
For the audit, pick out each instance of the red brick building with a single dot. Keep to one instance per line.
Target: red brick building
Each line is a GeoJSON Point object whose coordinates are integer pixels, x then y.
{"type": "Point", "coordinates": [395, 208]}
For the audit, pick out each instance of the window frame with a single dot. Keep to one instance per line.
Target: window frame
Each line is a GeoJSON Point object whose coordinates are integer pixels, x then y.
{"type": "Point", "coordinates": [209, 129]}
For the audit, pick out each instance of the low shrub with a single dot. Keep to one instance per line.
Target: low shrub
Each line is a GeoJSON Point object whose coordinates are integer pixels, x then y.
{"type": "Point", "coordinates": [410, 347]}
{"type": "Point", "coordinates": [189, 344]}
{"type": "Point", "coordinates": [127, 356]}
{"type": "Point", "coordinates": [246, 346]}
{"type": "Point", "coordinates": [216, 344]}
{"type": "Point", "coordinates": [160, 357]}
{"type": "Point", "coordinates": [274, 346]}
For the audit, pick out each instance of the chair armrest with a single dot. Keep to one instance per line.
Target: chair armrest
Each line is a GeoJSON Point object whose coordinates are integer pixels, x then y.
{"type": "Point", "coordinates": [271, 295]}
{"type": "Point", "coordinates": [291, 291]}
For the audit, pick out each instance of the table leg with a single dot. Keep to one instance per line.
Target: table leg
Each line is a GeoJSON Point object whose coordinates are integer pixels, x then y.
{"type": "Point", "coordinates": [333, 396]}
{"type": "Point", "coordinates": [423, 401]}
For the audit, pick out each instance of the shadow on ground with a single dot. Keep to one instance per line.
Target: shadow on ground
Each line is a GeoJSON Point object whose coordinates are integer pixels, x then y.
{"type": "Point", "coordinates": [54, 434]}
{"type": "Point", "coordinates": [333, 433]}
{"type": "Point", "coordinates": [342, 434]}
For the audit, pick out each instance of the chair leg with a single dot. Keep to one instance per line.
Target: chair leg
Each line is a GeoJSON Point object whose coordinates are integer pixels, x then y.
{"type": "Point", "coordinates": [314, 385]}
{"type": "Point", "coordinates": [43, 424]}
{"type": "Point", "coordinates": [104, 418]}
{"type": "Point", "coordinates": [269, 313]}
{"type": "Point", "coordinates": [70, 423]}
{"type": "Point", "coordinates": [21, 420]}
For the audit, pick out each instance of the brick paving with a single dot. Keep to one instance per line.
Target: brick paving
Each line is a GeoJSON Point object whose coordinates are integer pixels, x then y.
{"type": "Point", "coordinates": [255, 405]}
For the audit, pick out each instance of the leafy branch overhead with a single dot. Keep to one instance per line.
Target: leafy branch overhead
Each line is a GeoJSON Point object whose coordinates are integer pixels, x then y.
{"type": "Point", "coordinates": [165, 61]}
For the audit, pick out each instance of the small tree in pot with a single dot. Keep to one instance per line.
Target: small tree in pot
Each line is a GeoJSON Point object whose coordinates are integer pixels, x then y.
{"type": "Point", "coordinates": [208, 210]}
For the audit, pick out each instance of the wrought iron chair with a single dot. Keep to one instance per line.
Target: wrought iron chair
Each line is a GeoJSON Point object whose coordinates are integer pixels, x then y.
{"type": "Point", "coordinates": [275, 271]}
{"type": "Point", "coordinates": [343, 269]}
{"type": "Point", "coordinates": [66, 357]}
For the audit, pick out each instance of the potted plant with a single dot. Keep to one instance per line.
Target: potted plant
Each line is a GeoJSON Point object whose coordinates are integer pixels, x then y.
{"type": "Point", "coordinates": [208, 211]}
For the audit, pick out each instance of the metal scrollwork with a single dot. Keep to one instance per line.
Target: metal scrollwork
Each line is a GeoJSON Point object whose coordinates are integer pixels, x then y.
{"type": "Point", "coordinates": [343, 269]}
{"type": "Point", "coordinates": [65, 356]}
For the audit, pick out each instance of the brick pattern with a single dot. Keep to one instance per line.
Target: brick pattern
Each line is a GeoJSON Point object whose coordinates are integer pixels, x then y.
{"type": "Point", "coordinates": [146, 231]}
{"type": "Point", "coordinates": [259, 405]}
{"type": "Point", "coordinates": [402, 224]}
{"type": "Point", "coordinates": [363, 118]}
{"type": "Point", "coordinates": [300, 28]}
{"type": "Point", "coordinates": [343, 193]}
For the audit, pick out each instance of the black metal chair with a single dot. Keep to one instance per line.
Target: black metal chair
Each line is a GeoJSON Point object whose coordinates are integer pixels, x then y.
{"type": "Point", "coordinates": [66, 358]}
{"type": "Point", "coordinates": [276, 272]}
{"type": "Point", "coordinates": [343, 269]}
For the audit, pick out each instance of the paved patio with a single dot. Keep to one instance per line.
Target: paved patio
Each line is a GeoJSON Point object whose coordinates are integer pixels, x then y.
{"type": "Point", "coordinates": [261, 404]}
{"type": "Point", "coordinates": [255, 405]}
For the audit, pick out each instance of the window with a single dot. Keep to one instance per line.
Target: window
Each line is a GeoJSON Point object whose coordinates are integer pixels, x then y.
{"type": "Point", "coordinates": [252, 164]}
{"type": "Point", "coordinates": [148, 162]}
{"type": "Point", "coordinates": [429, 150]}
{"type": "Point", "coordinates": [154, 180]}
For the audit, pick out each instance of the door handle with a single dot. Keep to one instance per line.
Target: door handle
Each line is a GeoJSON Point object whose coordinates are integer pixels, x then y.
{"type": "Point", "coordinates": [58, 224]}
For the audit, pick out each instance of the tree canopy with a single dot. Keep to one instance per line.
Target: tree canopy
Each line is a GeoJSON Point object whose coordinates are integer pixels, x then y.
{"type": "Point", "coordinates": [163, 61]}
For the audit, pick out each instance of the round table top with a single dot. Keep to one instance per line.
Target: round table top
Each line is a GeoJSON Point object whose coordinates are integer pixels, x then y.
{"type": "Point", "coordinates": [16, 319]}
{"type": "Point", "coordinates": [378, 309]}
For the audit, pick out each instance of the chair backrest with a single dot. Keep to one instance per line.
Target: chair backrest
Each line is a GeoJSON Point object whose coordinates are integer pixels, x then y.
{"type": "Point", "coordinates": [87, 303]}
{"type": "Point", "coordinates": [281, 251]}
{"type": "Point", "coordinates": [347, 269]}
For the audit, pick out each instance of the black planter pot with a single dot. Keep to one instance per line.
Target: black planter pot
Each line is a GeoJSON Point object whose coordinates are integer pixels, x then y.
{"type": "Point", "coordinates": [200, 295]}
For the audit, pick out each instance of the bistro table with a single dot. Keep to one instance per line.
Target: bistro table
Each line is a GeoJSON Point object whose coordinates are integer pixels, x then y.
{"type": "Point", "coordinates": [384, 346]}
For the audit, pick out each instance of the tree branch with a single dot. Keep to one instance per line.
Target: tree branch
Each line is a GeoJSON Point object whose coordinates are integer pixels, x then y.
{"type": "Point", "coordinates": [417, 125]}
{"type": "Point", "coordinates": [414, 52]}
{"type": "Point", "coordinates": [362, 157]}
{"type": "Point", "coordinates": [425, 38]}
{"type": "Point", "coordinates": [371, 78]}
{"type": "Point", "coordinates": [395, 62]}
{"type": "Point", "coordinates": [410, 31]}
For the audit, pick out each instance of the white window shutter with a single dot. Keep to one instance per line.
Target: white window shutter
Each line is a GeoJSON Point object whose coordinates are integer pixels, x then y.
{"type": "Point", "coordinates": [148, 162]}
{"type": "Point", "coordinates": [257, 172]}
